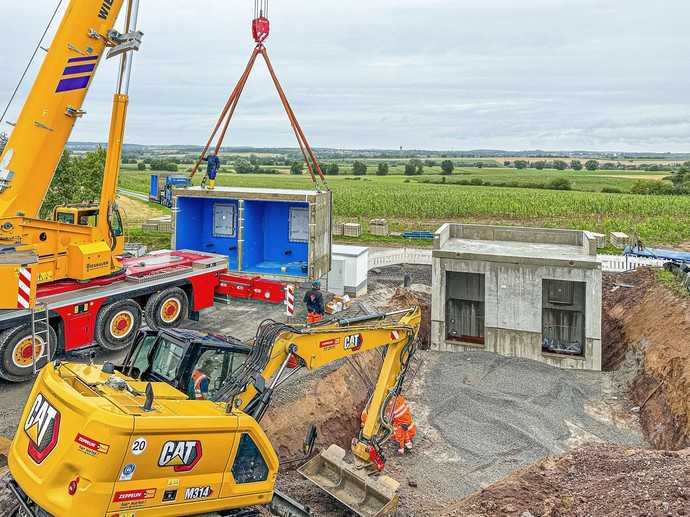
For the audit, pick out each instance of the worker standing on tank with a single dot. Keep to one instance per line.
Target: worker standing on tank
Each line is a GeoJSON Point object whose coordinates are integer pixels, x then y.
{"type": "Point", "coordinates": [398, 413]}
{"type": "Point", "coordinates": [314, 300]}
{"type": "Point", "coordinates": [212, 169]}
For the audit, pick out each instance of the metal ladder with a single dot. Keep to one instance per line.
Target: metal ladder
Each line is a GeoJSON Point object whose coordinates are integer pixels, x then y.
{"type": "Point", "coordinates": [40, 326]}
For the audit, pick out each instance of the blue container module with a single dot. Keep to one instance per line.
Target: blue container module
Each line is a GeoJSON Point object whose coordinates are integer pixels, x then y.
{"type": "Point", "coordinates": [280, 234]}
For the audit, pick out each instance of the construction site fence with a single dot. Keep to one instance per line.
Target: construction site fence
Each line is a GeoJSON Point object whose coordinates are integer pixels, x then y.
{"type": "Point", "coordinates": [393, 256]}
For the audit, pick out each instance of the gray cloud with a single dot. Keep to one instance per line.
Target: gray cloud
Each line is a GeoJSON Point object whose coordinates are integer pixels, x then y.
{"type": "Point", "coordinates": [552, 74]}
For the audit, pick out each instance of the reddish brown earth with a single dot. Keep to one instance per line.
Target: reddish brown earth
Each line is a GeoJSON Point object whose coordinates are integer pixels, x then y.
{"type": "Point", "coordinates": [595, 480]}
{"type": "Point", "coordinates": [642, 315]}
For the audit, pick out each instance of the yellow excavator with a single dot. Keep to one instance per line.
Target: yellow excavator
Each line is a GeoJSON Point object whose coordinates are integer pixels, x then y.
{"type": "Point", "coordinates": [81, 242]}
{"type": "Point", "coordinates": [101, 440]}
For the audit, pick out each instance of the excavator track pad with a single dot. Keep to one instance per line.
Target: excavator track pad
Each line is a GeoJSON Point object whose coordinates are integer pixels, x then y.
{"type": "Point", "coordinates": [366, 495]}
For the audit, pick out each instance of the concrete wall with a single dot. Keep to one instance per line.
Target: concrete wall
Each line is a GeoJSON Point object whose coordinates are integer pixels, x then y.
{"type": "Point", "coordinates": [513, 309]}
{"type": "Point", "coordinates": [586, 240]}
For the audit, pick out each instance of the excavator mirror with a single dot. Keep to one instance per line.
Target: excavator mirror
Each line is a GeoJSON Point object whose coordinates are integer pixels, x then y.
{"type": "Point", "coordinates": [148, 404]}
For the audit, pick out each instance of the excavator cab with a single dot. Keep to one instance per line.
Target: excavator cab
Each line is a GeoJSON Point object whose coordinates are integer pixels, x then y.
{"type": "Point", "coordinates": [173, 355]}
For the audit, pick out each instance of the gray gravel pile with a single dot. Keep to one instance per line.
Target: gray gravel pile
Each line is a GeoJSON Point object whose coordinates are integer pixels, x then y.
{"type": "Point", "coordinates": [484, 416]}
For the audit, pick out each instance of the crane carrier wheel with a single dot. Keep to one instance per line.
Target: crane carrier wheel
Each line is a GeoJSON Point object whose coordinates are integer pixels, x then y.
{"type": "Point", "coordinates": [166, 309]}
{"type": "Point", "coordinates": [117, 324]}
{"type": "Point", "coordinates": [16, 355]}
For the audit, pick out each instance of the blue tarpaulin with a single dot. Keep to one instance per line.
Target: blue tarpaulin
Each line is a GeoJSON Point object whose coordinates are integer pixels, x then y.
{"type": "Point", "coordinates": [655, 253]}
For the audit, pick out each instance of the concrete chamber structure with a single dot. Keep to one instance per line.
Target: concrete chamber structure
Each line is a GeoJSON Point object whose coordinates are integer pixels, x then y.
{"type": "Point", "coordinates": [523, 292]}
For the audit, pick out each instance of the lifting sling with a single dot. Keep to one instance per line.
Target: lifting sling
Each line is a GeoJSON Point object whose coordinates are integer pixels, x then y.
{"type": "Point", "coordinates": [260, 31]}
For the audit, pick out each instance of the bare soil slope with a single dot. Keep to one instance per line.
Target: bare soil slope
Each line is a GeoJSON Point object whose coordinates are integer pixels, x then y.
{"type": "Point", "coordinates": [643, 317]}
{"type": "Point", "coordinates": [597, 479]}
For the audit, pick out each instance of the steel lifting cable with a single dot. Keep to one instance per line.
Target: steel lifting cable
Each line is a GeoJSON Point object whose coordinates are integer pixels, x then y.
{"type": "Point", "coordinates": [31, 60]}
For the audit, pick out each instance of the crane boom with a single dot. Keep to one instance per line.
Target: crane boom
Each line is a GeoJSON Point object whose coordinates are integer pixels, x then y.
{"type": "Point", "coordinates": [35, 251]}
{"type": "Point", "coordinates": [54, 104]}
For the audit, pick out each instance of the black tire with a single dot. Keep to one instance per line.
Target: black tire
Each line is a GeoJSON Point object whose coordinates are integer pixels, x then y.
{"type": "Point", "coordinates": [16, 362]}
{"type": "Point", "coordinates": [117, 325]}
{"type": "Point", "coordinates": [159, 306]}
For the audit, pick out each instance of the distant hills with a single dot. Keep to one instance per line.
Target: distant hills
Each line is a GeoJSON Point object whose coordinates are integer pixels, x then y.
{"type": "Point", "coordinates": [390, 153]}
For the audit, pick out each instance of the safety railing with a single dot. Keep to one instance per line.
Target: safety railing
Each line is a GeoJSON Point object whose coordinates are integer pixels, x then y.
{"type": "Point", "coordinates": [393, 256]}
{"type": "Point", "coordinates": [620, 263]}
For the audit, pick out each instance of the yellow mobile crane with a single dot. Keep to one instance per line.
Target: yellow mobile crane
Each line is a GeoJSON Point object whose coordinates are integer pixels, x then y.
{"type": "Point", "coordinates": [102, 440]}
{"type": "Point", "coordinates": [82, 242]}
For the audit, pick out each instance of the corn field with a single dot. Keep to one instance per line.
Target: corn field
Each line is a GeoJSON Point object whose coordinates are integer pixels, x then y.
{"type": "Point", "coordinates": [656, 219]}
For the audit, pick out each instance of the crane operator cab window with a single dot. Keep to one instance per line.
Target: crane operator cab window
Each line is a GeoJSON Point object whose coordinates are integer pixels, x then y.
{"type": "Point", "coordinates": [65, 217]}
{"type": "Point", "coordinates": [211, 369]}
{"type": "Point", "coordinates": [116, 224]}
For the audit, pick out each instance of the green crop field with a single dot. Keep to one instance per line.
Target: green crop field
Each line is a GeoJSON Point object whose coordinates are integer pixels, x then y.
{"type": "Point", "coordinates": [409, 203]}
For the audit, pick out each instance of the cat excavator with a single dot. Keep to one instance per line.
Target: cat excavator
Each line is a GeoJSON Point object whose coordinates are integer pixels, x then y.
{"type": "Point", "coordinates": [107, 440]}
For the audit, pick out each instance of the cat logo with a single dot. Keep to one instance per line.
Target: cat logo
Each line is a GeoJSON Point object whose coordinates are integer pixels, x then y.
{"type": "Point", "coordinates": [353, 342]}
{"type": "Point", "coordinates": [182, 456]}
{"type": "Point", "coordinates": [42, 426]}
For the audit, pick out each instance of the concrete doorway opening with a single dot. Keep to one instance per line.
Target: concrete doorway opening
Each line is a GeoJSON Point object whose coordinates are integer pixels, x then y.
{"type": "Point", "coordinates": [563, 317]}
{"type": "Point", "coordinates": [465, 294]}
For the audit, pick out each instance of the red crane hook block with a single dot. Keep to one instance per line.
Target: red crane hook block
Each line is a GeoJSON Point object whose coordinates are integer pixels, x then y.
{"type": "Point", "coordinates": [260, 29]}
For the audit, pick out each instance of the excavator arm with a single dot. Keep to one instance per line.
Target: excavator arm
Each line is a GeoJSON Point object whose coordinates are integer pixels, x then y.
{"type": "Point", "coordinates": [280, 347]}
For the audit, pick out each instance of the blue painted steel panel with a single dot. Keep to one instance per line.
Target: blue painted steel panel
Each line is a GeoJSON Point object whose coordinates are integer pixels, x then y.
{"type": "Point", "coordinates": [268, 248]}
{"type": "Point", "coordinates": [194, 228]}
{"type": "Point", "coordinates": [267, 245]}
{"type": "Point", "coordinates": [153, 189]}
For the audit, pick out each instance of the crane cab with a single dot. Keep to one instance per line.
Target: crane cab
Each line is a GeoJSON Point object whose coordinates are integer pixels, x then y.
{"type": "Point", "coordinates": [83, 215]}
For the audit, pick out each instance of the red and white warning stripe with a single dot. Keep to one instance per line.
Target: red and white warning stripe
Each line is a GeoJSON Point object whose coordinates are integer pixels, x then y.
{"type": "Point", "coordinates": [24, 288]}
{"type": "Point", "coordinates": [290, 300]}
{"type": "Point", "coordinates": [395, 335]}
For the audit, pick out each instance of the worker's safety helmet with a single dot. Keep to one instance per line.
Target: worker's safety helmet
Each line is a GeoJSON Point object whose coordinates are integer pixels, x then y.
{"type": "Point", "coordinates": [316, 284]}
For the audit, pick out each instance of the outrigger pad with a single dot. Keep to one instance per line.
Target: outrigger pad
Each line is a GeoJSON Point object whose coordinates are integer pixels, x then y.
{"type": "Point", "coordinates": [366, 495]}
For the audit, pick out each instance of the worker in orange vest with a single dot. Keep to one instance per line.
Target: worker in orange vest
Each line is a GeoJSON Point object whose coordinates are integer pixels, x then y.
{"type": "Point", "coordinates": [200, 382]}
{"type": "Point", "coordinates": [398, 413]}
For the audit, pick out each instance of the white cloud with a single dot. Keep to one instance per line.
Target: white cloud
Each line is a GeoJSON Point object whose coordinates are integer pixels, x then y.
{"type": "Point", "coordinates": [552, 74]}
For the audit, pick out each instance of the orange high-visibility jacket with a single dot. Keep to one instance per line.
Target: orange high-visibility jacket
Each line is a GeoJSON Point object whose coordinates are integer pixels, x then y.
{"type": "Point", "coordinates": [398, 411]}
{"type": "Point", "coordinates": [198, 378]}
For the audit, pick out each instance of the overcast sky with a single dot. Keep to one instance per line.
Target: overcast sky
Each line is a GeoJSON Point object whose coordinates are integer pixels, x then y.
{"type": "Point", "coordinates": [433, 74]}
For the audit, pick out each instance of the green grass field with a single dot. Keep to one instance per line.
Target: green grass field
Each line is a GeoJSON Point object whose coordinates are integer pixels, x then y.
{"type": "Point", "coordinates": [409, 204]}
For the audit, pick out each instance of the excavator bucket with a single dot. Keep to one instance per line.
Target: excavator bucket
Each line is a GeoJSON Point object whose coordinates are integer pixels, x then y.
{"type": "Point", "coordinates": [362, 493]}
